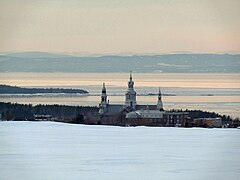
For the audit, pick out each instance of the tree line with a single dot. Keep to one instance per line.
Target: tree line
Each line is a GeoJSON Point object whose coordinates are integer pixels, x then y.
{"type": "Point", "coordinates": [76, 114]}
{"type": "Point", "coordinates": [11, 111]}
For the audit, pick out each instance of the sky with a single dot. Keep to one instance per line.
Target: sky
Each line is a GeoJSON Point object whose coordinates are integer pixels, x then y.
{"type": "Point", "coordinates": [120, 27]}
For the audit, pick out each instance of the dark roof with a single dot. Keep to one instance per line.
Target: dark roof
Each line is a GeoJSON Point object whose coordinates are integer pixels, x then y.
{"type": "Point", "coordinates": [145, 107]}
{"type": "Point", "coordinates": [114, 108]}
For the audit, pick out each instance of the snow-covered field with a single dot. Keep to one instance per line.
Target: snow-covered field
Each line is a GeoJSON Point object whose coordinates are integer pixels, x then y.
{"type": "Point", "coordinates": [48, 150]}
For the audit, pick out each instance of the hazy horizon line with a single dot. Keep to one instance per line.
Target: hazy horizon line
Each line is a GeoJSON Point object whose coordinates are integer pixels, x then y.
{"type": "Point", "coordinates": [120, 53]}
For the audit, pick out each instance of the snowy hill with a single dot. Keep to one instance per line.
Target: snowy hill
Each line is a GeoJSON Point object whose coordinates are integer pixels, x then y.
{"type": "Point", "coordinates": [48, 150]}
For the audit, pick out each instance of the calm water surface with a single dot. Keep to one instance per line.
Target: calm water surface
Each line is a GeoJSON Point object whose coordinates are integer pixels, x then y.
{"type": "Point", "coordinates": [211, 92]}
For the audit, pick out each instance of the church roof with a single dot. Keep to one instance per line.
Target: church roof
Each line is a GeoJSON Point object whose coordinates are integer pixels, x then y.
{"type": "Point", "coordinates": [114, 108]}
{"type": "Point", "coordinates": [145, 107]}
{"type": "Point", "coordinates": [154, 114]}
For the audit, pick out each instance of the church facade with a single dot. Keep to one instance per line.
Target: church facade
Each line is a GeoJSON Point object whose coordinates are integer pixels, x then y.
{"type": "Point", "coordinates": [130, 113]}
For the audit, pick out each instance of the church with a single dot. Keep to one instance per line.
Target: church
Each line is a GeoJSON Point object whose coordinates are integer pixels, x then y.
{"type": "Point", "coordinates": [132, 114]}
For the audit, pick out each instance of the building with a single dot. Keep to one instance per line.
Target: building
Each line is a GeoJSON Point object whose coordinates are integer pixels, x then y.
{"type": "Point", "coordinates": [177, 119]}
{"type": "Point", "coordinates": [130, 104]}
{"type": "Point", "coordinates": [208, 122]}
{"type": "Point", "coordinates": [42, 117]}
{"type": "Point", "coordinates": [132, 114]}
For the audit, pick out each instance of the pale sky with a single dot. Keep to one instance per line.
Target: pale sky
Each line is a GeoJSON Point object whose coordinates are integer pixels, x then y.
{"type": "Point", "coordinates": [120, 26]}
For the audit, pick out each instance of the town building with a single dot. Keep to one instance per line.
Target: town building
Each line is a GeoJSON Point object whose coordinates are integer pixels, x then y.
{"type": "Point", "coordinates": [208, 122]}
{"type": "Point", "coordinates": [42, 117]}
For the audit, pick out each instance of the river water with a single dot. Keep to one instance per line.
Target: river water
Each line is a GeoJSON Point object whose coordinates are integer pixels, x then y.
{"type": "Point", "coordinates": [211, 92]}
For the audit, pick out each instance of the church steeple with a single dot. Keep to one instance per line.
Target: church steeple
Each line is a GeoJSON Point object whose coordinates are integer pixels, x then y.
{"type": "Point", "coordinates": [104, 88]}
{"type": "Point", "coordinates": [130, 96]}
{"type": "Point", "coordinates": [130, 82]}
{"type": "Point", "coordinates": [104, 95]}
{"type": "Point", "coordinates": [159, 95]}
{"type": "Point", "coordinates": [104, 103]}
{"type": "Point", "coordinates": [159, 103]}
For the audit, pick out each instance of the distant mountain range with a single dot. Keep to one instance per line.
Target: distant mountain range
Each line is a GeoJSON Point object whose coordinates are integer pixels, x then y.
{"type": "Point", "coordinates": [169, 63]}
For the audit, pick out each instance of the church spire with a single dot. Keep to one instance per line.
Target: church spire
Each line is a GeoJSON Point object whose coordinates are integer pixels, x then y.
{"type": "Point", "coordinates": [103, 88]}
{"type": "Point", "coordinates": [104, 103]}
{"type": "Point", "coordinates": [130, 82]}
{"type": "Point", "coordinates": [104, 95]}
{"type": "Point", "coordinates": [159, 103]}
{"type": "Point", "coordinates": [159, 94]}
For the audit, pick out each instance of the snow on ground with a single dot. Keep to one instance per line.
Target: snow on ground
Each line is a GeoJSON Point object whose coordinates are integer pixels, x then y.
{"type": "Point", "coordinates": [48, 150]}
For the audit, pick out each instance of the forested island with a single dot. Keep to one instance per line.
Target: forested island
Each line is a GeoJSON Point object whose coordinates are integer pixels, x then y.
{"type": "Point", "coordinates": [6, 89]}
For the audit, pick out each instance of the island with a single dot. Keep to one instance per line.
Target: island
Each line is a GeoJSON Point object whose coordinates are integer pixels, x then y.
{"type": "Point", "coordinates": [6, 89]}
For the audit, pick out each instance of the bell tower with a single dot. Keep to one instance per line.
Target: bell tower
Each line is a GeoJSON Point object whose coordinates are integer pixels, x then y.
{"type": "Point", "coordinates": [130, 95]}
